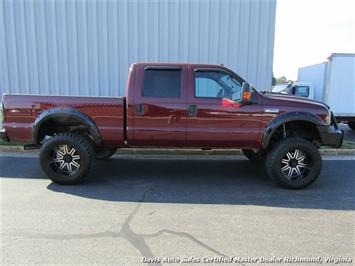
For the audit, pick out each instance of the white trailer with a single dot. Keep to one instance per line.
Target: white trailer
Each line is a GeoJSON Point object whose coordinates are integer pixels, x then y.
{"type": "Point", "coordinates": [332, 82]}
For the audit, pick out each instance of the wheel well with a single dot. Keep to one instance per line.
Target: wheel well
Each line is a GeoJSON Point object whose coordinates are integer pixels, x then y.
{"type": "Point", "coordinates": [62, 124]}
{"type": "Point", "coordinates": [302, 129]}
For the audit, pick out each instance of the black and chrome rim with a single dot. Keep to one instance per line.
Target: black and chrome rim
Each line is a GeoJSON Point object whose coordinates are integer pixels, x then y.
{"type": "Point", "coordinates": [296, 165]}
{"type": "Point", "coordinates": [65, 160]}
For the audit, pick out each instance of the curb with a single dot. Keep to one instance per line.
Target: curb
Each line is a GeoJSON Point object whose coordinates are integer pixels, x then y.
{"type": "Point", "coordinates": [11, 148]}
{"type": "Point", "coordinates": [152, 151]}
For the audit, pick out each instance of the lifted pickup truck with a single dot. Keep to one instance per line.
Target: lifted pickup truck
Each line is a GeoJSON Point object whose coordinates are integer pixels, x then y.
{"type": "Point", "coordinates": [174, 106]}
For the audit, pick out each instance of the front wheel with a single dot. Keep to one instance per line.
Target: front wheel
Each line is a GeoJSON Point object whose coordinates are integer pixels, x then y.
{"type": "Point", "coordinates": [294, 163]}
{"type": "Point", "coordinates": [66, 158]}
{"type": "Point", "coordinates": [351, 125]}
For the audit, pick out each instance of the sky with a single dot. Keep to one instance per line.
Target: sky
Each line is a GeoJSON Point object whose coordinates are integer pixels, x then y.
{"type": "Point", "coordinates": [308, 31]}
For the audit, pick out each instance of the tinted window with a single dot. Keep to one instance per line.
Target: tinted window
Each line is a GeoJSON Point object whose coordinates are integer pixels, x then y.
{"type": "Point", "coordinates": [163, 83]}
{"type": "Point", "coordinates": [216, 84]}
{"type": "Point", "coordinates": [206, 87]}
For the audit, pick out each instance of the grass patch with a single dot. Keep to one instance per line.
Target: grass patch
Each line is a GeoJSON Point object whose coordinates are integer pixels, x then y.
{"type": "Point", "coordinates": [348, 144]}
{"type": "Point", "coordinates": [3, 143]}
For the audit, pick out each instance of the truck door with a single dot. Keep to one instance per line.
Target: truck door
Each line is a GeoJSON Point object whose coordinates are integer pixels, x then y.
{"type": "Point", "coordinates": [159, 108]}
{"type": "Point", "coordinates": [216, 118]}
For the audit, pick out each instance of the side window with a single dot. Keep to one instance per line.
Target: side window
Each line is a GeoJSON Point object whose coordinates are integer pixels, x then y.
{"type": "Point", "coordinates": [206, 87]}
{"type": "Point", "coordinates": [302, 91]}
{"type": "Point", "coordinates": [162, 83]}
{"type": "Point", "coordinates": [217, 84]}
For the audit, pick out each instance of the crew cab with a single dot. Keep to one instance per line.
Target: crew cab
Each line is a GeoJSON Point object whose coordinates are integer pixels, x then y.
{"type": "Point", "coordinates": [174, 106]}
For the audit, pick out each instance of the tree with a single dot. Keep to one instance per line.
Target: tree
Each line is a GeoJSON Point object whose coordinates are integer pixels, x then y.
{"type": "Point", "coordinates": [281, 80]}
{"type": "Point", "coordinates": [273, 82]}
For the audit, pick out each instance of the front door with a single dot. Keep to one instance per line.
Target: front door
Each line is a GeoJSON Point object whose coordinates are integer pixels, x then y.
{"type": "Point", "coordinates": [216, 116]}
{"type": "Point", "coordinates": [160, 106]}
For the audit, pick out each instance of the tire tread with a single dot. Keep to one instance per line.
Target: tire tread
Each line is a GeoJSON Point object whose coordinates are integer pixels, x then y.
{"type": "Point", "coordinates": [272, 168]}
{"type": "Point", "coordinates": [78, 140]}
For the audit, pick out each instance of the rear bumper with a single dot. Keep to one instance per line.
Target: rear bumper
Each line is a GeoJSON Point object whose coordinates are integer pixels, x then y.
{"type": "Point", "coordinates": [3, 135]}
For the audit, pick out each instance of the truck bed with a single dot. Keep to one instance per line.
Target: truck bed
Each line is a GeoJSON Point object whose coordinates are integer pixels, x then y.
{"type": "Point", "coordinates": [21, 111]}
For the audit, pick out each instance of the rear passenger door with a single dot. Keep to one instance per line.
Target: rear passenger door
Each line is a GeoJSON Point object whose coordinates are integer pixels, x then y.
{"type": "Point", "coordinates": [160, 106]}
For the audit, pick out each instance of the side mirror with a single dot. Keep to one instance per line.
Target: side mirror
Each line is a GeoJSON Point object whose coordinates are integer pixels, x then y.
{"type": "Point", "coordinates": [246, 93]}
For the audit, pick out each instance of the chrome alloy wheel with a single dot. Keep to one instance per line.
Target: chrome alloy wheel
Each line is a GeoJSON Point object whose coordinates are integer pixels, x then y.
{"type": "Point", "coordinates": [65, 160]}
{"type": "Point", "coordinates": [296, 165]}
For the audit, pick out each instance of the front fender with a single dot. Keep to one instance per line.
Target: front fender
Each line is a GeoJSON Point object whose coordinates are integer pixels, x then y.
{"type": "Point", "coordinates": [69, 113]}
{"type": "Point", "coordinates": [289, 117]}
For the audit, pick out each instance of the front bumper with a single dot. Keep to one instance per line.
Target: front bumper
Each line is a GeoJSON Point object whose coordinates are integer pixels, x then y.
{"type": "Point", "coordinates": [3, 135]}
{"type": "Point", "coordinates": [331, 135]}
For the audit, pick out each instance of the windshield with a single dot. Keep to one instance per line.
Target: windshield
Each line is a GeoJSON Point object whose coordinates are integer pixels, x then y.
{"type": "Point", "coordinates": [281, 88]}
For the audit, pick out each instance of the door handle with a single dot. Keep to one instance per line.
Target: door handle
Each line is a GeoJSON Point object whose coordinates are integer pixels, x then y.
{"type": "Point", "coordinates": [192, 110]}
{"type": "Point", "coordinates": [139, 109]}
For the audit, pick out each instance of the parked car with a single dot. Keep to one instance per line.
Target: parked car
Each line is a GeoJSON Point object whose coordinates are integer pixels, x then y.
{"type": "Point", "coordinates": [173, 106]}
{"type": "Point", "coordinates": [331, 82]}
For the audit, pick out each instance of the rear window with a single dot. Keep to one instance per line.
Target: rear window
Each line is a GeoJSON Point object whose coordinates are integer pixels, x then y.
{"type": "Point", "coordinates": [162, 83]}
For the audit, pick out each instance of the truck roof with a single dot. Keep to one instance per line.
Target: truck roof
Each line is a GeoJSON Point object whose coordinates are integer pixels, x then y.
{"type": "Point", "coordinates": [341, 55]}
{"type": "Point", "coordinates": [177, 64]}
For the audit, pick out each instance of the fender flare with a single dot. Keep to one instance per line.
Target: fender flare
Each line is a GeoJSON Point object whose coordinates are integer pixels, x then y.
{"type": "Point", "coordinates": [289, 117]}
{"type": "Point", "coordinates": [67, 112]}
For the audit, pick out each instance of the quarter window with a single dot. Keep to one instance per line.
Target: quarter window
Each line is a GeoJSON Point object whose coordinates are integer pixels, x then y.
{"type": "Point", "coordinates": [162, 83]}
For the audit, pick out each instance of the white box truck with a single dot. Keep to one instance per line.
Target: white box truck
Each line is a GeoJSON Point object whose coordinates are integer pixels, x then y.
{"type": "Point", "coordinates": [332, 82]}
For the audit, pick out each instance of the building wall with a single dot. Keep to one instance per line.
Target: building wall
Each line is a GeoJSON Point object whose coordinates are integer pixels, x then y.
{"type": "Point", "coordinates": [86, 47]}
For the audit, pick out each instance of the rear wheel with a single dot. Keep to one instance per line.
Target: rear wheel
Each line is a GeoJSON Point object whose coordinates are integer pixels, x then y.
{"type": "Point", "coordinates": [254, 155]}
{"type": "Point", "coordinates": [351, 125]}
{"type": "Point", "coordinates": [66, 158]}
{"type": "Point", "coordinates": [104, 153]}
{"type": "Point", "coordinates": [294, 163]}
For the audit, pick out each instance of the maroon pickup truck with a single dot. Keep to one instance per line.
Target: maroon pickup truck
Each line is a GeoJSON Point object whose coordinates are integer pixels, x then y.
{"type": "Point", "coordinates": [174, 106]}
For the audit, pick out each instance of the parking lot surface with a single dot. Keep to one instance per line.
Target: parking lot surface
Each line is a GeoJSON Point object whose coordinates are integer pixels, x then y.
{"type": "Point", "coordinates": [349, 134]}
{"type": "Point", "coordinates": [177, 208]}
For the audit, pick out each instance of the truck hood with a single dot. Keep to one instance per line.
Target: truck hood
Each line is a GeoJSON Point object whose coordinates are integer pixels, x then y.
{"type": "Point", "coordinates": [284, 99]}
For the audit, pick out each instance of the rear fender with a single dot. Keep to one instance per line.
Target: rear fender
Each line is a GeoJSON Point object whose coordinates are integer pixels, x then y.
{"type": "Point", "coordinates": [66, 113]}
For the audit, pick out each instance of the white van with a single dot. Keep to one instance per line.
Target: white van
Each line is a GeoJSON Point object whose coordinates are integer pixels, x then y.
{"type": "Point", "coordinates": [332, 82]}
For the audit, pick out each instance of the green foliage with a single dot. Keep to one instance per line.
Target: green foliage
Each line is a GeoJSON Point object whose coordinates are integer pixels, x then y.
{"type": "Point", "coordinates": [280, 80]}
{"type": "Point", "coordinates": [273, 80]}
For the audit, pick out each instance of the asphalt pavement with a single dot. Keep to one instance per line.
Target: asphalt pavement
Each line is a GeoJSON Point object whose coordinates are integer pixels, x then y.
{"type": "Point", "coordinates": [349, 134]}
{"type": "Point", "coordinates": [174, 209]}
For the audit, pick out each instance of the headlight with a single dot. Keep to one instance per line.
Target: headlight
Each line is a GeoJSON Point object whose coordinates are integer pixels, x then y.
{"type": "Point", "coordinates": [328, 119]}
